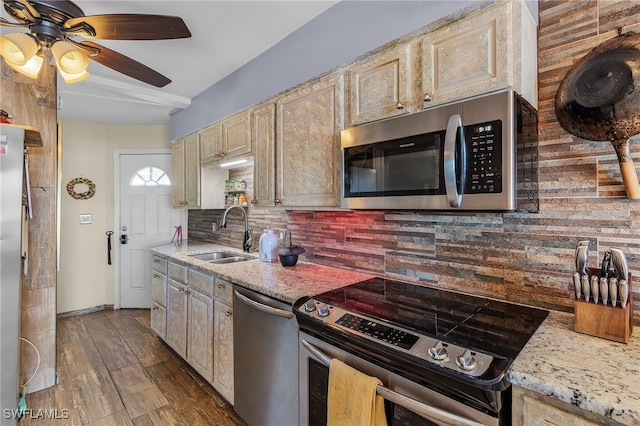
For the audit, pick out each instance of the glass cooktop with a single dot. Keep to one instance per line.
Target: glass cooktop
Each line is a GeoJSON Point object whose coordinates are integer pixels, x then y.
{"type": "Point", "coordinates": [469, 321]}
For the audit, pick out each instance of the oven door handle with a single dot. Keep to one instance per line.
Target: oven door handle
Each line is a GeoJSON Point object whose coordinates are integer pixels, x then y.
{"type": "Point", "coordinates": [427, 411]}
{"type": "Point", "coordinates": [451, 142]}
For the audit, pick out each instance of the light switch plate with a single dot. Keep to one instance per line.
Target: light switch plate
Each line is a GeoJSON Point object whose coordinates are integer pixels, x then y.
{"type": "Point", "coordinates": [85, 219]}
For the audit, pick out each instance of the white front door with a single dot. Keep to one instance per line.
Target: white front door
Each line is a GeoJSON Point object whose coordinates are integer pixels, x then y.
{"type": "Point", "coordinates": [147, 219]}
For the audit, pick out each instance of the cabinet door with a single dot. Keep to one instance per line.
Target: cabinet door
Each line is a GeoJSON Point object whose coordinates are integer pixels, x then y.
{"type": "Point", "coordinates": [178, 167]}
{"type": "Point", "coordinates": [177, 317]}
{"type": "Point", "coordinates": [159, 319]}
{"type": "Point", "coordinates": [159, 288]}
{"type": "Point", "coordinates": [192, 170]}
{"type": "Point", "coordinates": [533, 409]}
{"type": "Point", "coordinates": [471, 56]}
{"type": "Point", "coordinates": [236, 135]}
{"type": "Point", "coordinates": [264, 171]}
{"type": "Point", "coordinates": [382, 86]}
{"type": "Point", "coordinates": [223, 350]}
{"type": "Point", "coordinates": [309, 121]}
{"type": "Point", "coordinates": [211, 143]}
{"type": "Point", "coordinates": [200, 333]}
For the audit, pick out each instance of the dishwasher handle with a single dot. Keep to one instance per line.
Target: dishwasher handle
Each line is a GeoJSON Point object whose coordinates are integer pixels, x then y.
{"type": "Point", "coordinates": [427, 411]}
{"type": "Point", "coordinates": [262, 307]}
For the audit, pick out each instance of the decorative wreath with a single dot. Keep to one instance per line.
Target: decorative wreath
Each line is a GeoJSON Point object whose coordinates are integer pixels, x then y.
{"type": "Point", "coordinates": [81, 195]}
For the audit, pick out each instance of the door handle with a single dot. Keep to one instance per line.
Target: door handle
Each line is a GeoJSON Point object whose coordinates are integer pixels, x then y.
{"type": "Point", "coordinates": [124, 239]}
{"type": "Point", "coordinates": [451, 174]}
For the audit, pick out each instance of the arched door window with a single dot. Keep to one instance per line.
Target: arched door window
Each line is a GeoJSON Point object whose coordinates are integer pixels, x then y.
{"type": "Point", "coordinates": [150, 176]}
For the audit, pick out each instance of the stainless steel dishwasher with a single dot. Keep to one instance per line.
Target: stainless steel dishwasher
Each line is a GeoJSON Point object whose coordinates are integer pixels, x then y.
{"type": "Point", "coordinates": [265, 356]}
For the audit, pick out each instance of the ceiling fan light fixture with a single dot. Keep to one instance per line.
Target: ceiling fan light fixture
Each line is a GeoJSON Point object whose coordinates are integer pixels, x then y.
{"type": "Point", "coordinates": [69, 58]}
{"type": "Point", "coordinates": [18, 48]}
{"type": "Point", "coordinates": [71, 78]}
{"type": "Point", "coordinates": [31, 69]}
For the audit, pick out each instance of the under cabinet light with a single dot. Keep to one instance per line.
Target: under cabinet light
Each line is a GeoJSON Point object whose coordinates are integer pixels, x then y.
{"type": "Point", "coordinates": [233, 163]}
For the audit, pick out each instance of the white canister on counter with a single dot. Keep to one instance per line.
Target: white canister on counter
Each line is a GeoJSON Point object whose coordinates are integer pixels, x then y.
{"type": "Point", "coordinates": [268, 246]}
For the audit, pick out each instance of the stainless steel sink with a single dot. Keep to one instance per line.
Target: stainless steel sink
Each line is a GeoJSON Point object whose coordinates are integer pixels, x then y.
{"type": "Point", "coordinates": [220, 257]}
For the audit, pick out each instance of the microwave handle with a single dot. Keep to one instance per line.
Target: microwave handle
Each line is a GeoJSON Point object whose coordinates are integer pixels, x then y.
{"type": "Point", "coordinates": [450, 172]}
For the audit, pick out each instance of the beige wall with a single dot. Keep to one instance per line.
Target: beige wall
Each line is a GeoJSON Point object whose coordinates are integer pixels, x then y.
{"type": "Point", "coordinates": [85, 280]}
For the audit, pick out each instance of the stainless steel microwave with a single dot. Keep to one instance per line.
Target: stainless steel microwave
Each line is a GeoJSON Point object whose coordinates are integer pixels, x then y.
{"type": "Point", "coordinates": [478, 154]}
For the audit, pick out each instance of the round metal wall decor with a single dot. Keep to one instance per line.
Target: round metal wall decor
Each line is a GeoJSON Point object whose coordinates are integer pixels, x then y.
{"type": "Point", "coordinates": [81, 195]}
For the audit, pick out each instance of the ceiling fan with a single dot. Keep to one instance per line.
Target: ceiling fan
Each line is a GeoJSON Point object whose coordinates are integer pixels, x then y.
{"type": "Point", "coordinates": [54, 25]}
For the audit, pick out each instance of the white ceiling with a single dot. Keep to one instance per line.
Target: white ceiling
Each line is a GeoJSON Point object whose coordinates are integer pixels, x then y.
{"type": "Point", "coordinates": [225, 36]}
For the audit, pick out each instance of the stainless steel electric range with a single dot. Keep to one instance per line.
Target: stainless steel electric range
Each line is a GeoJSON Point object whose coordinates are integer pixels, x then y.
{"type": "Point", "coordinates": [442, 356]}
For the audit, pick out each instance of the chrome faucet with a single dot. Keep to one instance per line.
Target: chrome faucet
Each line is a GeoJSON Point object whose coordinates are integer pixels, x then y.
{"type": "Point", "coordinates": [246, 238]}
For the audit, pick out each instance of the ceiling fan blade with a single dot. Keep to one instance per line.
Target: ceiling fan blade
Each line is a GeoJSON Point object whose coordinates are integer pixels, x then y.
{"type": "Point", "coordinates": [5, 23]}
{"type": "Point", "coordinates": [130, 27]}
{"type": "Point", "coordinates": [21, 9]}
{"type": "Point", "coordinates": [126, 65]}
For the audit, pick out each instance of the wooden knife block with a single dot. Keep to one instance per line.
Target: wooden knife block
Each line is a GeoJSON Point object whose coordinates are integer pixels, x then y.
{"type": "Point", "coordinates": [605, 321]}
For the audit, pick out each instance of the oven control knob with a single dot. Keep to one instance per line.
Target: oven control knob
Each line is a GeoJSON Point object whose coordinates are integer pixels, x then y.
{"type": "Point", "coordinates": [323, 310]}
{"type": "Point", "coordinates": [466, 361]}
{"type": "Point", "coordinates": [310, 305]}
{"type": "Point", "coordinates": [438, 352]}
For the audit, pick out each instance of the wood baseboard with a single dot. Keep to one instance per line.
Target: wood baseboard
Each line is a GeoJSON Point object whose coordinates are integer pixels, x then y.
{"type": "Point", "coordinates": [84, 311]}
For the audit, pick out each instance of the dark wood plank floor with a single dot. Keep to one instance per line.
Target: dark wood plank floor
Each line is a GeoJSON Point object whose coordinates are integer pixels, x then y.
{"type": "Point", "coordinates": [113, 370]}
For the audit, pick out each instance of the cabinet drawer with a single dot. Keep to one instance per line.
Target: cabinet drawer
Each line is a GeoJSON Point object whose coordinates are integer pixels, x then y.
{"type": "Point", "coordinates": [159, 319]}
{"type": "Point", "coordinates": [224, 291]}
{"type": "Point", "coordinates": [159, 288]}
{"type": "Point", "coordinates": [201, 282]}
{"type": "Point", "coordinates": [159, 264]}
{"type": "Point", "coordinates": [177, 272]}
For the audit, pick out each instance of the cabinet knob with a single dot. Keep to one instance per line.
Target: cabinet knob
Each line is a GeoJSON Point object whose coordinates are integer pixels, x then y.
{"type": "Point", "coordinates": [155, 275]}
{"type": "Point", "coordinates": [181, 290]}
{"type": "Point", "coordinates": [253, 201]}
{"type": "Point", "coordinates": [221, 286]}
{"type": "Point", "coordinates": [156, 260]}
{"type": "Point", "coordinates": [427, 97]}
{"type": "Point", "coordinates": [155, 308]}
{"type": "Point", "coordinates": [227, 314]}
{"type": "Point", "coordinates": [400, 105]}
{"type": "Point", "coordinates": [277, 201]}
{"type": "Point", "coordinates": [187, 292]}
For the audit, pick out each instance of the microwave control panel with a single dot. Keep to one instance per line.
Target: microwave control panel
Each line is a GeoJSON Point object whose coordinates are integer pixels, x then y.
{"type": "Point", "coordinates": [484, 158]}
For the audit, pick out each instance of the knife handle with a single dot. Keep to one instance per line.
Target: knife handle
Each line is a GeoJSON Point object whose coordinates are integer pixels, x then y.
{"type": "Point", "coordinates": [613, 290]}
{"type": "Point", "coordinates": [595, 289]}
{"type": "Point", "coordinates": [623, 292]}
{"type": "Point", "coordinates": [586, 288]}
{"type": "Point", "coordinates": [604, 290]}
{"type": "Point", "coordinates": [577, 285]}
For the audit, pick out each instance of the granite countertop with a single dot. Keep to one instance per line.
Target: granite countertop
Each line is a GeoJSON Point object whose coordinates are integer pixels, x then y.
{"type": "Point", "coordinates": [594, 374]}
{"type": "Point", "coordinates": [271, 279]}
{"type": "Point", "coordinates": [588, 372]}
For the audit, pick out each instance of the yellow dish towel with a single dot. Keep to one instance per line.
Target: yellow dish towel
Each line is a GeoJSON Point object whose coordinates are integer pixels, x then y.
{"type": "Point", "coordinates": [352, 398]}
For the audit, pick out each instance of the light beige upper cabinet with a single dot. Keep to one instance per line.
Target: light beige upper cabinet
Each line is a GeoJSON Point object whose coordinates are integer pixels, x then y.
{"type": "Point", "coordinates": [490, 49]}
{"type": "Point", "coordinates": [236, 135]}
{"type": "Point", "coordinates": [186, 172]}
{"type": "Point", "coordinates": [264, 154]}
{"type": "Point", "coordinates": [383, 85]}
{"type": "Point", "coordinates": [309, 121]}
{"type": "Point", "coordinates": [211, 141]}
{"type": "Point", "coordinates": [226, 139]}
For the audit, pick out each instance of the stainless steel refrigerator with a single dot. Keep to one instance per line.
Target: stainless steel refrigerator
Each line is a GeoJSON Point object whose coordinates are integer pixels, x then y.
{"type": "Point", "coordinates": [11, 210]}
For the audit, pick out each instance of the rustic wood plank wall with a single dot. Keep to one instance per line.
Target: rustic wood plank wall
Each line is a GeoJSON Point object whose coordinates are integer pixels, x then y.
{"type": "Point", "coordinates": [33, 103]}
{"type": "Point", "coordinates": [526, 258]}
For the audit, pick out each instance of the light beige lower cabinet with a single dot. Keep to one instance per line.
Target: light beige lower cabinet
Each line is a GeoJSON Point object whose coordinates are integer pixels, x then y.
{"type": "Point", "coordinates": [533, 409]}
{"type": "Point", "coordinates": [223, 339]}
{"type": "Point", "coordinates": [159, 295]}
{"type": "Point", "coordinates": [198, 323]}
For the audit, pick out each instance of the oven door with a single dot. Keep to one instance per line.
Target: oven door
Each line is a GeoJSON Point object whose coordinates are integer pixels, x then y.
{"type": "Point", "coordinates": [406, 402]}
